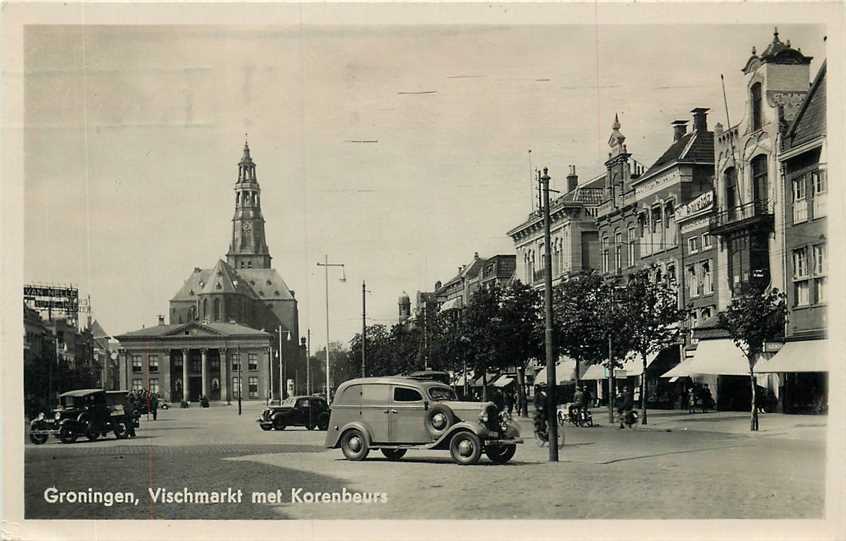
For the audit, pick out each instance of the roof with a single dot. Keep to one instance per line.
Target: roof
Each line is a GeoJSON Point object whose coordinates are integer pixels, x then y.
{"type": "Point", "coordinates": [267, 284]}
{"type": "Point", "coordinates": [694, 147]}
{"type": "Point", "coordinates": [81, 392]}
{"type": "Point", "coordinates": [180, 329]}
{"type": "Point", "coordinates": [777, 52]}
{"type": "Point", "coordinates": [260, 284]}
{"type": "Point", "coordinates": [588, 194]}
{"type": "Point", "coordinates": [97, 330]}
{"type": "Point", "coordinates": [809, 123]}
{"type": "Point", "coordinates": [397, 380]}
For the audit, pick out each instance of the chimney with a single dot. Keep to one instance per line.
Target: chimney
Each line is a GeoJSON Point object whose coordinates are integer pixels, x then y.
{"type": "Point", "coordinates": [438, 285]}
{"type": "Point", "coordinates": [700, 119]}
{"type": "Point", "coordinates": [572, 179]}
{"type": "Point", "coordinates": [161, 319]}
{"type": "Point", "coordinates": [475, 255]}
{"type": "Point", "coordinates": [679, 129]}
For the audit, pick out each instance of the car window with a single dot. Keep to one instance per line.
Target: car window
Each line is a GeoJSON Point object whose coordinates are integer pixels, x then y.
{"type": "Point", "coordinates": [351, 396]}
{"type": "Point", "coordinates": [442, 393]}
{"type": "Point", "coordinates": [375, 394]}
{"type": "Point", "coordinates": [302, 403]}
{"type": "Point", "coordinates": [288, 402]}
{"type": "Point", "coordinates": [404, 394]}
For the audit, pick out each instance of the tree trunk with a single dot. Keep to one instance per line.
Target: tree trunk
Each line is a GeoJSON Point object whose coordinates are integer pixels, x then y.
{"type": "Point", "coordinates": [578, 378]}
{"type": "Point", "coordinates": [611, 396]}
{"type": "Point", "coordinates": [754, 421]}
{"type": "Point", "coordinates": [521, 392]}
{"type": "Point", "coordinates": [643, 389]}
{"type": "Point", "coordinates": [485, 386]}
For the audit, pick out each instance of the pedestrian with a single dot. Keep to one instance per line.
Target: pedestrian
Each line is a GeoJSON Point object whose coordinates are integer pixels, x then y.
{"type": "Point", "coordinates": [578, 404]}
{"type": "Point", "coordinates": [628, 406]}
{"type": "Point", "coordinates": [509, 403]}
{"type": "Point", "coordinates": [691, 400]}
{"type": "Point", "coordinates": [618, 405]}
{"type": "Point", "coordinates": [707, 399]}
{"type": "Point", "coordinates": [129, 415]}
{"type": "Point", "coordinates": [154, 405]}
{"type": "Point", "coordinates": [588, 398]}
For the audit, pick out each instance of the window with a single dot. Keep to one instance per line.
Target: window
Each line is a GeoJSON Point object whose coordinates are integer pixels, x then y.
{"type": "Point", "coordinates": [800, 263]}
{"type": "Point", "coordinates": [818, 185]}
{"type": "Point", "coordinates": [706, 313]}
{"type": "Point", "coordinates": [605, 253]}
{"type": "Point", "coordinates": [800, 203]}
{"type": "Point", "coordinates": [730, 179]}
{"type": "Point", "coordinates": [196, 365]}
{"type": "Point", "coordinates": [375, 394]}
{"type": "Point", "coordinates": [403, 394]}
{"type": "Point", "coordinates": [154, 364]}
{"type": "Point", "coordinates": [669, 225]}
{"type": "Point", "coordinates": [236, 387]}
{"type": "Point", "coordinates": [693, 245]}
{"type": "Point", "coordinates": [176, 362]}
{"type": "Point", "coordinates": [154, 385]}
{"type": "Point", "coordinates": [137, 384]}
{"type": "Point", "coordinates": [799, 188]}
{"type": "Point", "coordinates": [137, 364]}
{"type": "Point", "coordinates": [252, 361]}
{"type": "Point", "coordinates": [707, 285]}
{"type": "Point", "coordinates": [618, 251]}
{"type": "Point", "coordinates": [802, 293]}
{"type": "Point", "coordinates": [760, 182]}
{"type": "Point", "coordinates": [757, 120]}
{"type": "Point", "coordinates": [819, 259]}
{"type": "Point", "coordinates": [631, 246]}
{"type": "Point", "coordinates": [253, 387]}
{"type": "Point", "coordinates": [819, 290]}
{"type": "Point", "coordinates": [706, 241]}
{"type": "Point", "coordinates": [692, 283]}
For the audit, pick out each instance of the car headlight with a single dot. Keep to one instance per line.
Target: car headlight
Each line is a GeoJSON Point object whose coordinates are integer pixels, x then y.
{"type": "Point", "coordinates": [439, 421]}
{"type": "Point", "coordinates": [57, 416]}
{"type": "Point", "coordinates": [40, 417]}
{"type": "Point", "coordinates": [483, 417]}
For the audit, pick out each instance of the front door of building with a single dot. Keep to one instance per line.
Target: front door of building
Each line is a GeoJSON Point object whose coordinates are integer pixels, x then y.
{"type": "Point", "coordinates": [196, 390]}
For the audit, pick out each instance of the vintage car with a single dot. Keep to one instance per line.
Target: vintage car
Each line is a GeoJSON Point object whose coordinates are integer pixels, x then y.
{"type": "Point", "coordinates": [85, 412]}
{"type": "Point", "coordinates": [308, 411]}
{"type": "Point", "coordinates": [395, 414]}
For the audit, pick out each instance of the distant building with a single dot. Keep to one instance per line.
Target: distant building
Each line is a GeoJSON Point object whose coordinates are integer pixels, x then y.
{"type": "Point", "coordinates": [226, 322]}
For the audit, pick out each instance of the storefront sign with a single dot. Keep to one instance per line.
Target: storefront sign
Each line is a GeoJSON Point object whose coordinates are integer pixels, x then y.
{"type": "Point", "coordinates": [703, 202]}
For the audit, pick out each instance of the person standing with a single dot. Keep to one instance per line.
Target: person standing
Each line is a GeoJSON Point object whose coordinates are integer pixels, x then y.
{"type": "Point", "coordinates": [618, 405]}
{"type": "Point", "coordinates": [154, 405]}
{"type": "Point", "coordinates": [129, 410]}
{"type": "Point", "coordinates": [628, 406]}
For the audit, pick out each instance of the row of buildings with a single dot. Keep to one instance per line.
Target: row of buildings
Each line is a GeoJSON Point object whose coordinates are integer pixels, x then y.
{"type": "Point", "coordinates": [720, 208]}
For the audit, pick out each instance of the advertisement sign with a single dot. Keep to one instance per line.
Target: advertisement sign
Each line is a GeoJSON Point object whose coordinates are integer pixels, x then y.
{"type": "Point", "coordinates": [703, 202]}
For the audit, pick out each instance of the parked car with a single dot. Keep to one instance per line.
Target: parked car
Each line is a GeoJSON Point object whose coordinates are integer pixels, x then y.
{"type": "Point", "coordinates": [84, 412]}
{"type": "Point", "coordinates": [395, 414]}
{"type": "Point", "coordinates": [308, 411]}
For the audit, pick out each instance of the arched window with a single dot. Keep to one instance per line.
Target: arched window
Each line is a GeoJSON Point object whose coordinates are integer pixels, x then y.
{"type": "Point", "coordinates": [217, 310]}
{"type": "Point", "coordinates": [205, 308]}
{"type": "Point", "coordinates": [755, 94]}
{"type": "Point", "coordinates": [760, 183]}
{"type": "Point", "coordinates": [730, 181]}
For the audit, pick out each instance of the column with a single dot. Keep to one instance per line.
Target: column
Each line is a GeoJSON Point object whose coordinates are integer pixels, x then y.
{"type": "Point", "coordinates": [205, 370]}
{"type": "Point", "coordinates": [224, 374]}
{"type": "Point", "coordinates": [185, 374]}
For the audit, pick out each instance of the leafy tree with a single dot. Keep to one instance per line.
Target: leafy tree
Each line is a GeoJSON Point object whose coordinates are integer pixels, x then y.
{"type": "Point", "coordinates": [520, 336]}
{"type": "Point", "coordinates": [379, 359]}
{"type": "Point", "coordinates": [580, 313]}
{"type": "Point", "coordinates": [652, 319]}
{"type": "Point", "coordinates": [481, 329]}
{"type": "Point", "coordinates": [755, 316]}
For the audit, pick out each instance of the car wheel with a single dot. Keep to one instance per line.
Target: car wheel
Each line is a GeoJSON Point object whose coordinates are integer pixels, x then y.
{"type": "Point", "coordinates": [37, 439]}
{"type": "Point", "coordinates": [310, 427]}
{"type": "Point", "coordinates": [67, 435]}
{"type": "Point", "coordinates": [323, 422]}
{"type": "Point", "coordinates": [279, 424]}
{"type": "Point", "coordinates": [120, 431]}
{"type": "Point", "coordinates": [354, 445]}
{"type": "Point", "coordinates": [92, 435]}
{"type": "Point", "coordinates": [438, 420]}
{"type": "Point", "coordinates": [465, 448]}
{"type": "Point", "coordinates": [265, 427]}
{"type": "Point", "coordinates": [394, 454]}
{"type": "Point", "coordinates": [500, 454]}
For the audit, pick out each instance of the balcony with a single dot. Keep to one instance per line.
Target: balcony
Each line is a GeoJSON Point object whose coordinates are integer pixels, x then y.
{"type": "Point", "coordinates": [751, 214]}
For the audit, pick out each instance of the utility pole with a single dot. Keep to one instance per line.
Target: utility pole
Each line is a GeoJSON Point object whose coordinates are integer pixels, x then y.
{"type": "Point", "coordinates": [363, 329]}
{"type": "Point", "coordinates": [326, 266]}
{"type": "Point", "coordinates": [552, 422]}
{"type": "Point", "coordinates": [240, 379]}
{"type": "Point", "coordinates": [308, 361]}
{"type": "Point", "coordinates": [281, 377]}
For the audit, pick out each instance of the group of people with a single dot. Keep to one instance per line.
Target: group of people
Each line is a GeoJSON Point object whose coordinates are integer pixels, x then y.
{"type": "Point", "coordinates": [699, 397]}
{"type": "Point", "coordinates": [624, 404]}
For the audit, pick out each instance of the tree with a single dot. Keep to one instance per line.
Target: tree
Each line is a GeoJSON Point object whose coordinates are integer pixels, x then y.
{"type": "Point", "coordinates": [481, 322]}
{"type": "Point", "coordinates": [652, 319]}
{"type": "Point", "coordinates": [379, 359]}
{"type": "Point", "coordinates": [521, 332]}
{"type": "Point", "coordinates": [579, 305]}
{"type": "Point", "coordinates": [754, 316]}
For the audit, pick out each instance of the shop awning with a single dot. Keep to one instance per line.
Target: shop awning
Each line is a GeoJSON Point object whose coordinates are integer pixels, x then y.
{"type": "Point", "coordinates": [451, 304]}
{"type": "Point", "coordinates": [565, 372]}
{"type": "Point", "coordinates": [633, 364]}
{"type": "Point", "coordinates": [504, 381]}
{"type": "Point", "coordinates": [681, 370]}
{"type": "Point", "coordinates": [717, 357]}
{"type": "Point", "coordinates": [804, 356]}
{"type": "Point", "coordinates": [595, 371]}
{"type": "Point", "coordinates": [459, 381]}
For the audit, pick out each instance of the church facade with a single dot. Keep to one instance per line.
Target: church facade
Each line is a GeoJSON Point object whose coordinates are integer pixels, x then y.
{"type": "Point", "coordinates": [226, 324]}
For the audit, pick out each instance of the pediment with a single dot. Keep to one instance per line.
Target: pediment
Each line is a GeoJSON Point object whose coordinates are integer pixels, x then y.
{"type": "Point", "coordinates": [194, 329]}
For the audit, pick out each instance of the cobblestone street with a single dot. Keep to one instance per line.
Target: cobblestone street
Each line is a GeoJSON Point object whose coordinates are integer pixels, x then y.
{"type": "Point", "coordinates": [680, 466]}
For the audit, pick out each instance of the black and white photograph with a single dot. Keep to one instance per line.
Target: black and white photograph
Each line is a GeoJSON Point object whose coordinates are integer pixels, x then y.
{"type": "Point", "coordinates": [555, 266]}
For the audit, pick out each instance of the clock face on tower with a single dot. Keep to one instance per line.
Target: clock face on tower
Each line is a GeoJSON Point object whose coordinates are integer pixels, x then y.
{"type": "Point", "coordinates": [246, 227]}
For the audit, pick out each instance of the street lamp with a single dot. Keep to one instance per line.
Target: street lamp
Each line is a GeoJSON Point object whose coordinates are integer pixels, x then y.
{"type": "Point", "coordinates": [343, 278]}
{"type": "Point", "coordinates": [364, 292]}
{"type": "Point", "coordinates": [279, 355]}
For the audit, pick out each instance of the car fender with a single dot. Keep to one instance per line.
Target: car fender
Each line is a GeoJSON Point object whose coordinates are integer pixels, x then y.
{"type": "Point", "coordinates": [333, 435]}
{"type": "Point", "coordinates": [475, 428]}
{"type": "Point", "coordinates": [278, 414]}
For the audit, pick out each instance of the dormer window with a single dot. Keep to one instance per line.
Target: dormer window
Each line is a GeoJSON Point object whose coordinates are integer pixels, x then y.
{"type": "Point", "coordinates": [755, 94]}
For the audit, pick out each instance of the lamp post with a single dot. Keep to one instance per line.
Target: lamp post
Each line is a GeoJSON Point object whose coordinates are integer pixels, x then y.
{"type": "Point", "coordinates": [308, 362]}
{"type": "Point", "coordinates": [240, 381]}
{"type": "Point", "coordinates": [279, 354]}
{"type": "Point", "coordinates": [364, 292]}
{"type": "Point", "coordinates": [343, 278]}
{"type": "Point", "coordinates": [548, 345]}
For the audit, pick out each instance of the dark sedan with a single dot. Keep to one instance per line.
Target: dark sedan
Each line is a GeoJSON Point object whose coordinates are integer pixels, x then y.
{"type": "Point", "coordinates": [308, 411]}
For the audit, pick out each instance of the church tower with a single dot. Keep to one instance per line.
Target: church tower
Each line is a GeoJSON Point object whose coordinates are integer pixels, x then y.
{"type": "Point", "coordinates": [248, 249]}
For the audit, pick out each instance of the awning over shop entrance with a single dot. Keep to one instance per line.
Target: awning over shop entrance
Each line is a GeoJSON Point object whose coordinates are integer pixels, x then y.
{"type": "Point", "coordinates": [504, 381]}
{"type": "Point", "coordinates": [594, 372]}
{"type": "Point", "coordinates": [804, 356]}
{"type": "Point", "coordinates": [716, 357]}
{"type": "Point", "coordinates": [681, 370]}
{"type": "Point", "coordinates": [565, 372]}
{"type": "Point", "coordinates": [633, 364]}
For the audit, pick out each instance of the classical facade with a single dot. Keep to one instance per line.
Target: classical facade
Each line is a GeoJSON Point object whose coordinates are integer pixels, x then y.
{"type": "Point", "coordinates": [232, 326]}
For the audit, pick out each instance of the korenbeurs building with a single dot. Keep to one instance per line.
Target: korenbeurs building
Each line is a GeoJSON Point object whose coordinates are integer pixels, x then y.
{"type": "Point", "coordinates": [225, 320]}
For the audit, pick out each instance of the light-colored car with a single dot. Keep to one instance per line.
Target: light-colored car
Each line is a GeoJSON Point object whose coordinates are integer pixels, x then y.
{"type": "Point", "coordinates": [395, 414]}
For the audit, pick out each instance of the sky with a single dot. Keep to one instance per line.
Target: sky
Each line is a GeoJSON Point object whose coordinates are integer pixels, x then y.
{"type": "Point", "coordinates": [133, 133]}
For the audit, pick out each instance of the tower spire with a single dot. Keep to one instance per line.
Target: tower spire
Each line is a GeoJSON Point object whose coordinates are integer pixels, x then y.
{"type": "Point", "coordinates": [248, 248]}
